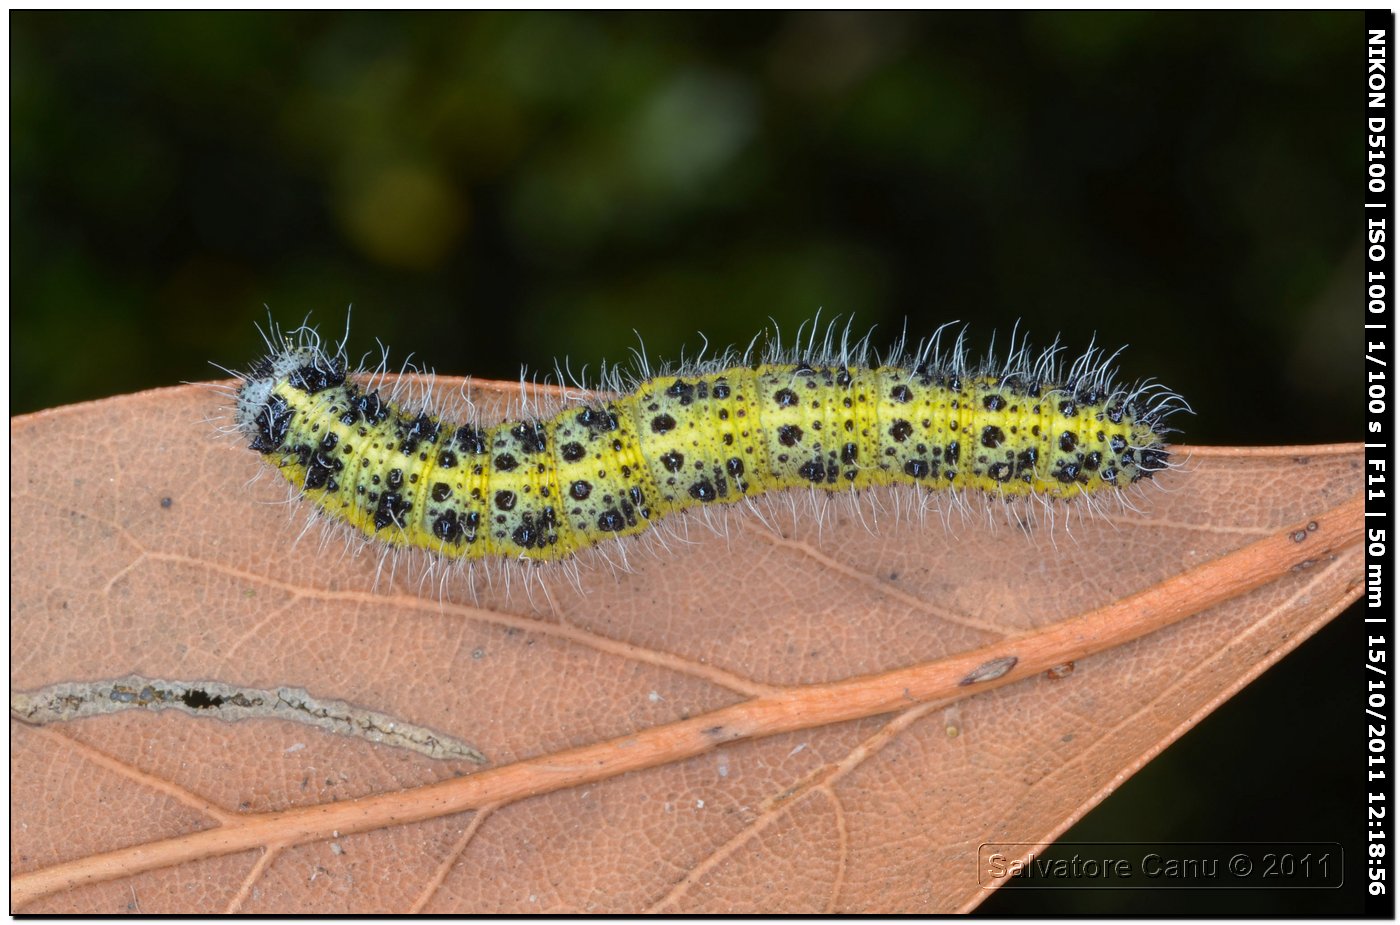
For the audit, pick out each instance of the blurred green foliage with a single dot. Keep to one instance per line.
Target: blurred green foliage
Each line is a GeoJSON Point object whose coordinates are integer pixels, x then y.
{"type": "Point", "coordinates": [507, 188]}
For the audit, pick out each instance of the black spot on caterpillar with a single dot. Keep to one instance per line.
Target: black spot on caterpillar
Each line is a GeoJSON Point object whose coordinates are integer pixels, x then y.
{"type": "Point", "coordinates": [827, 416]}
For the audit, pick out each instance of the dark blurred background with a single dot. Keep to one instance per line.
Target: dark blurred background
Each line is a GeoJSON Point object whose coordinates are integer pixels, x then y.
{"type": "Point", "coordinates": [492, 190]}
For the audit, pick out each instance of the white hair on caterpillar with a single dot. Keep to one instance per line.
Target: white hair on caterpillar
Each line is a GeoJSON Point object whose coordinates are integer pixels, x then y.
{"type": "Point", "coordinates": [416, 392]}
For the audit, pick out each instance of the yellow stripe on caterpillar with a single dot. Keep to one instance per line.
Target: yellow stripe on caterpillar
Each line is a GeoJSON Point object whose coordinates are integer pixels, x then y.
{"type": "Point", "coordinates": [548, 487]}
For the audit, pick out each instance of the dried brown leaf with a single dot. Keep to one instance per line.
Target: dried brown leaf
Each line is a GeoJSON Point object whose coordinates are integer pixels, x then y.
{"type": "Point", "coordinates": [817, 717]}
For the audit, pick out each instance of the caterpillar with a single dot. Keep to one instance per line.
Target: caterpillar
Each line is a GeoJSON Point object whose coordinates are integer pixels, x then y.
{"type": "Point", "coordinates": [824, 416]}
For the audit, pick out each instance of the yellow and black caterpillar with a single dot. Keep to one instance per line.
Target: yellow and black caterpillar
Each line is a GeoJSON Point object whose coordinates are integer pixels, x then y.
{"type": "Point", "coordinates": [548, 487]}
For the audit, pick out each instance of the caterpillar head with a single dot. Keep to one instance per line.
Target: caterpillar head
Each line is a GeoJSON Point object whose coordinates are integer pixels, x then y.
{"type": "Point", "coordinates": [262, 412]}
